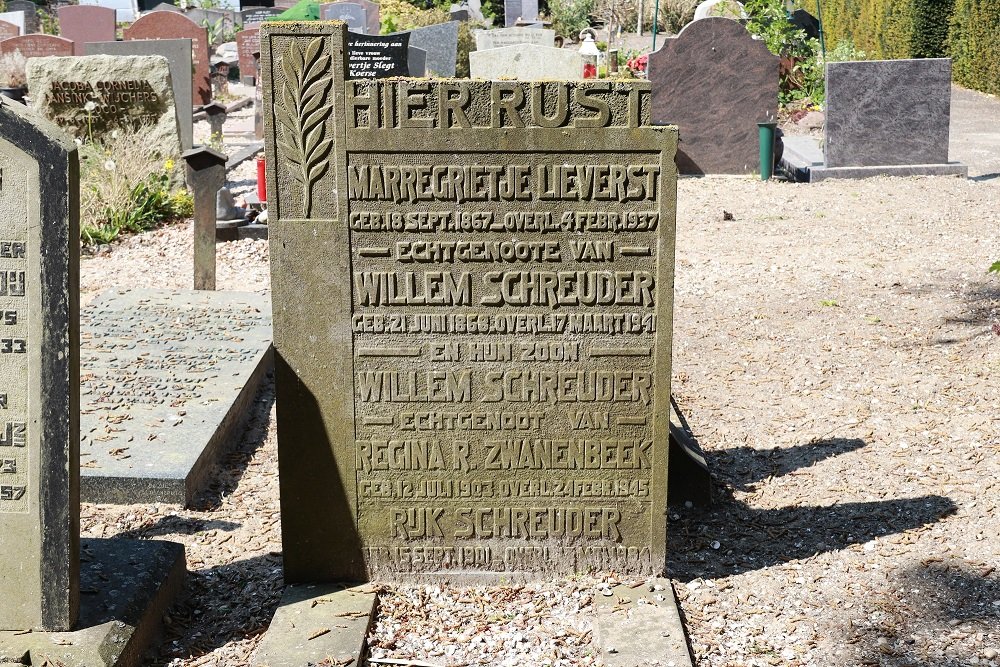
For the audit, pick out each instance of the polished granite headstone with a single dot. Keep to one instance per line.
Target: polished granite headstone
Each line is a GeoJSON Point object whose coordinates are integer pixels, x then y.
{"type": "Point", "coordinates": [178, 55]}
{"type": "Point", "coordinates": [440, 41]}
{"type": "Point", "coordinates": [254, 16]}
{"type": "Point", "coordinates": [887, 112]}
{"type": "Point", "coordinates": [30, 10]}
{"type": "Point", "coordinates": [171, 25]}
{"type": "Point", "coordinates": [247, 44]}
{"type": "Point", "coordinates": [8, 30]}
{"type": "Point", "coordinates": [37, 45]}
{"type": "Point", "coordinates": [499, 37]}
{"type": "Point", "coordinates": [167, 376]}
{"type": "Point", "coordinates": [715, 82]}
{"type": "Point", "coordinates": [519, 10]}
{"type": "Point", "coordinates": [86, 23]}
{"type": "Point", "coordinates": [39, 373]}
{"type": "Point", "coordinates": [473, 291]}
{"type": "Point", "coordinates": [377, 56]}
{"type": "Point", "coordinates": [526, 62]}
{"type": "Point", "coordinates": [351, 13]}
{"type": "Point", "coordinates": [417, 61]}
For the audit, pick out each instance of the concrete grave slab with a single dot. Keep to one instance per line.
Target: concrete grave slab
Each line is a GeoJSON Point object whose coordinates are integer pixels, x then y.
{"type": "Point", "coordinates": [167, 377]}
{"type": "Point", "coordinates": [86, 23]}
{"type": "Point", "coordinates": [802, 160]}
{"type": "Point", "coordinates": [39, 373]}
{"type": "Point", "coordinates": [526, 62]}
{"type": "Point", "coordinates": [640, 625]}
{"type": "Point", "coordinates": [715, 82]}
{"type": "Point", "coordinates": [171, 25]}
{"type": "Point", "coordinates": [128, 586]}
{"type": "Point", "coordinates": [178, 55]}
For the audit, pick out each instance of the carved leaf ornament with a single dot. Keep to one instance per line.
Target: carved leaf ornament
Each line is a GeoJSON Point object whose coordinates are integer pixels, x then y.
{"type": "Point", "coordinates": [302, 115]}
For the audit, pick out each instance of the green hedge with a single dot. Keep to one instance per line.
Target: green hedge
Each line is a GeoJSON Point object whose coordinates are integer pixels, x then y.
{"type": "Point", "coordinates": [974, 44]}
{"type": "Point", "coordinates": [887, 29]}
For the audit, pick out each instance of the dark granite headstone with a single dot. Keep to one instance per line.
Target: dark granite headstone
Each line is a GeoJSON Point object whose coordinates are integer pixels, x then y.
{"type": "Point", "coordinates": [354, 15]}
{"type": "Point", "coordinates": [167, 378]}
{"type": "Point", "coordinates": [30, 10]}
{"type": "Point", "coordinates": [377, 56]}
{"type": "Point", "coordinates": [37, 45]}
{"type": "Point", "coordinates": [440, 41]}
{"type": "Point", "coordinates": [171, 25]}
{"type": "Point", "coordinates": [86, 23]}
{"type": "Point", "coordinates": [247, 44]}
{"type": "Point", "coordinates": [460, 15]}
{"type": "Point", "coordinates": [8, 30]}
{"type": "Point", "coordinates": [39, 374]}
{"type": "Point", "coordinates": [887, 112]}
{"type": "Point", "coordinates": [715, 82]}
{"type": "Point", "coordinates": [525, 11]}
{"type": "Point", "coordinates": [256, 15]}
{"type": "Point", "coordinates": [472, 286]}
{"type": "Point", "coordinates": [806, 22]}
{"type": "Point", "coordinates": [372, 15]}
{"type": "Point", "coordinates": [178, 55]}
{"type": "Point", "coordinates": [417, 59]}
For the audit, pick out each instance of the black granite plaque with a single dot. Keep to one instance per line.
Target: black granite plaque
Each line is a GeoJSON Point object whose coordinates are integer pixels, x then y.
{"type": "Point", "coordinates": [377, 56]}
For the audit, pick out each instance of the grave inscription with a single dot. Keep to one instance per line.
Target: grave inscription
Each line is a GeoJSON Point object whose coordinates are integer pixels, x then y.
{"type": "Point", "coordinates": [489, 390]}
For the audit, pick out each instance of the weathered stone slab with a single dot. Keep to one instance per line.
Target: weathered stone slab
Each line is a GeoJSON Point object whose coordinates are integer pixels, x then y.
{"type": "Point", "coordinates": [167, 377]}
{"type": "Point", "coordinates": [254, 16]}
{"type": "Point", "coordinates": [17, 18]}
{"type": "Point", "coordinates": [8, 30]}
{"type": "Point", "coordinates": [171, 25]}
{"type": "Point", "coordinates": [715, 82]}
{"type": "Point", "coordinates": [130, 585]}
{"type": "Point", "coordinates": [247, 44]}
{"type": "Point", "coordinates": [500, 37]}
{"type": "Point", "coordinates": [86, 23]}
{"type": "Point", "coordinates": [440, 41]}
{"type": "Point", "coordinates": [378, 56]}
{"type": "Point", "coordinates": [290, 640]}
{"type": "Point", "coordinates": [473, 364]}
{"type": "Point", "coordinates": [640, 626]}
{"type": "Point", "coordinates": [37, 46]}
{"type": "Point", "coordinates": [39, 373]}
{"type": "Point", "coordinates": [178, 55]}
{"type": "Point", "coordinates": [129, 92]}
{"type": "Point", "coordinates": [30, 10]}
{"type": "Point", "coordinates": [887, 112]}
{"type": "Point", "coordinates": [526, 62]}
{"type": "Point", "coordinates": [354, 15]}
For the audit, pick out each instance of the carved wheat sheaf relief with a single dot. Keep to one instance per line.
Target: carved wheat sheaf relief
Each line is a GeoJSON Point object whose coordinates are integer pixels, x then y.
{"type": "Point", "coordinates": [302, 115]}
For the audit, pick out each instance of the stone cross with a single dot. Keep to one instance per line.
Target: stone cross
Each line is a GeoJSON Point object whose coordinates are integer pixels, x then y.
{"type": "Point", "coordinates": [39, 374]}
{"type": "Point", "coordinates": [216, 114]}
{"type": "Point", "coordinates": [206, 173]}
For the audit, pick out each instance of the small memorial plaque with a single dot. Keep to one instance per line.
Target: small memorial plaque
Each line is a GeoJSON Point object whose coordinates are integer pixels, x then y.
{"type": "Point", "coordinates": [377, 56]}
{"type": "Point", "coordinates": [37, 45]}
{"type": "Point", "coordinates": [473, 288]}
{"type": "Point", "coordinates": [254, 16]}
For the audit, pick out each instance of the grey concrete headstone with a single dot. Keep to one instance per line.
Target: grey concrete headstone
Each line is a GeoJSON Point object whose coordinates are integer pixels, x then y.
{"type": "Point", "coordinates": [526, 62]}
{"type": "Point", "coordinates": [39, 374]}
{"type": "Point", "coordinates": [887, 112]}
{"type": "Point", "coordinates": [440, 41]}
{"type": "Point", "coordinates": [30, 10]}
{"type": "Point", "coordinates": [498, 37]}
{"type": "Point", "coordinates": [353, 14]}
{"type": "Point", "coordinates": [178, 55]}
{"type": "Point", "coordinates": [715, 82]}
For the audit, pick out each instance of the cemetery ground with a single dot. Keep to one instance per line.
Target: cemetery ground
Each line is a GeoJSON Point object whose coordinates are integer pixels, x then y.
{"type": "Point", "coordinates": [835, 346]}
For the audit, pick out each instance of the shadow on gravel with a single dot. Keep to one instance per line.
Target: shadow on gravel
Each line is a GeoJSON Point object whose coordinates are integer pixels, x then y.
{"type": "Point", "coordinates": [177, 525]}
{"type": "Point", "coordinates": [231, 466]}
{"type": "Point", "coordinates": [732, 538]}
{"type": "Point", "coordinates": [236, 601]}
{"type": "Point", "coordinates": [982, 306]}
{"type": "Point", "coordinates": [741, 467]}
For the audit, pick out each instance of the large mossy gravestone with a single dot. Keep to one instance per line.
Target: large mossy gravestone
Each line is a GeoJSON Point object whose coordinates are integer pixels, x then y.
{"type": "Point", "coordinates": [39, 374]}
{"type": "Point", "coordinates": [715, 82]}
{"type": "Point", "coordinates": [472, 301]}
{"type": "Point", "coordinates": [92, 96]}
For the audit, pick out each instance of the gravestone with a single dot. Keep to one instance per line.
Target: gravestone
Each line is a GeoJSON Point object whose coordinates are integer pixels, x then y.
{"type": "Point", "coordinates": [715, 82]}
{"type": "Point", "coordinates": [16, 18]}
{"type": "Point", "coordinates": [247, 44]}
{"type": "Point", "coordinates": [353, 14]}
{"type": "Point", "coordinates": [161, 7]}
{"type": "Point", "coordinates": [92, 96]}
{"type": "Point", "coordinates": [519, 10]}
{"type": "Point", "coordinates": [125, 11]}
{"type": "Point", "coordinates": [417, 61]}
{"type": "Point", "coordinates": [460, 15]}
{"type": "Point", "coordinates": [806, 22]}
{"type": "Point", "coordinates": [30, 10]}
{"type": "Point", "coordinates": [39, 374]}
{"type": "Point", "coordinates": [372, 14]}
{"type": "Point", "coordinates": [887, 112]}
{"type": "Point", "coordinates": [730, 9]}
{"type": "Point", "coordinates": [526, 62]}
{"type": "Point", "coordinates": [37, 45]}
{"type": "Point", "coordinates": [178, 55]}
{"type": "Point", "coordinates": [499, 37]}
{"type": "Point", "coordinates": [8, 30]}
{"type": "Point", "coordinates": [254, 16]}
{"type": "Point", "coordinates": [472, 286]}
{"type": "Point", "coordinates": [167, 379]}
{"type": "Point", "coordinates": [206, 173]}
{"type": "Point", "coordinates": [440, 41]}
{"type": "Point", "coordinates": [216, 18]}
{"type": "Point", "coordinates": [86, 23]}
{"type": "Point", "coordinates": [377, 56]}
{"type": "Point", "coordinates": [170, 25]}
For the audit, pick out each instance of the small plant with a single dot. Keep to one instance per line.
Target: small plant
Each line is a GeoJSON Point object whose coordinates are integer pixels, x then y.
{"type": "Point", "coordinates": [829, 303]}
{"type": "Point", "coordinates": [569, 17]}
{"type": "Point", "coordinates": [12, 70]}
{"type": "Point", "coordinates": [994, 268]}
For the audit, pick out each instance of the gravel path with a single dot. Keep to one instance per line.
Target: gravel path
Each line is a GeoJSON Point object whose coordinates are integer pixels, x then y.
{"type": "Point", "coordinates": [835, 353]}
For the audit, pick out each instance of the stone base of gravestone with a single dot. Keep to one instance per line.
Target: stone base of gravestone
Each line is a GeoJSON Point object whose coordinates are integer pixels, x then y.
{"type": "Point", "coordinates": [128, 586]}
{"type": "Point", "coordinates": [167, 381]}
{"type": "Point", "coordinates": [802, 161]}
